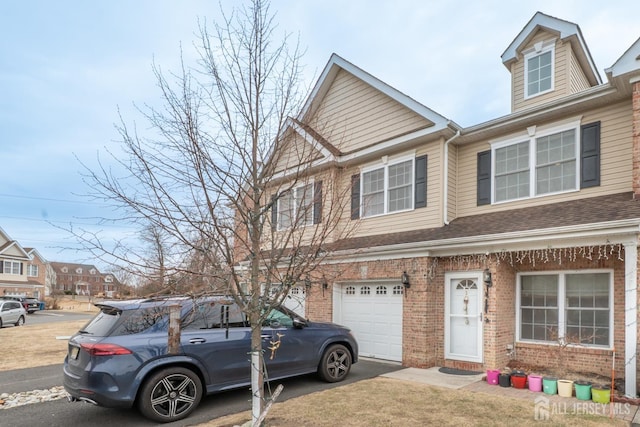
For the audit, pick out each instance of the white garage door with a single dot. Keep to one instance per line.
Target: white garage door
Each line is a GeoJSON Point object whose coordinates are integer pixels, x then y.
{"type": "Point", "coordinates": [296, 300]}
{"type": "Point", "coordinates": [374, 313]}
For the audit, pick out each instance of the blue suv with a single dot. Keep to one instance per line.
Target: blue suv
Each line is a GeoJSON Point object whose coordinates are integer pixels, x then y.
{"type": "Point", "coordinates": [121, 357]}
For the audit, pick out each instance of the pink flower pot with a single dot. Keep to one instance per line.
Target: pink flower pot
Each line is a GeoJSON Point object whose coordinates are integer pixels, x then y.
{"type": "Point", "coordinates": [535, 382]}
{"type": "Point", "coordinates": [492, 376]}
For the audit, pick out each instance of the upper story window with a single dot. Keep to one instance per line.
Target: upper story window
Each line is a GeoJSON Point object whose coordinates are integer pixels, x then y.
{"type": "Point", "coordinates": [79, 270]}
{"type": "Point", "coordinates": [32, 270]}
{"type": "Point", "coordinates": [545, 162]}
{"type": "Point", "coordinates": [538, 69]}
{"type": "Point", "coordinates": [65, 270]}
{"type": "Point", "coordinates": [92, 271]}
{"type": "Point", "coordinates": [12, 267]}
{"type": "Point", "coordinates": [388, 188]}
{"type": "Point", "coordinates": [296, 207]}
{"type": "Point", "coordinates": [108, 279]}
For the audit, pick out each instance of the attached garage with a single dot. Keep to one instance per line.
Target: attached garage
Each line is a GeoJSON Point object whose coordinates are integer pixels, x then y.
{"type": "Point", "coordinates": [373, 310]}
{"type": "Point", "coordinates": [295, 300]}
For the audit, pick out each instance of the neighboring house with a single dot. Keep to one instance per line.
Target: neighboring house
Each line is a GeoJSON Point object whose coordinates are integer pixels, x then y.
{"type": "Point", "coordinates": [22, 270]}
{"type": "Point", "coordinates": [478, 245]}
{"type": "Point", "coordinates": [84, 279]}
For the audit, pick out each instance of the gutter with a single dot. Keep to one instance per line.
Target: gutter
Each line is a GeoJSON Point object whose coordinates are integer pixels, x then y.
{"type": "Point", "coordinates": [445, 190]}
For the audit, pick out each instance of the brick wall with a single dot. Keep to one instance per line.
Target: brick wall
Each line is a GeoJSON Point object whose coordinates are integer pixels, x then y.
{"type": "Point", "coordinates": [580, 358]}
{"type": "Point", "coordinates": [423, 323]}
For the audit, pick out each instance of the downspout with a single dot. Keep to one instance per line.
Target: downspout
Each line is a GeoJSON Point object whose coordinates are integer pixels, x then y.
{"type": "Point", "coordinates": [445, 195]}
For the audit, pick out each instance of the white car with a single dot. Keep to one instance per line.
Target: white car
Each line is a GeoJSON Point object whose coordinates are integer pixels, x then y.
{"type": "Point", "coordinates": [11, 312]}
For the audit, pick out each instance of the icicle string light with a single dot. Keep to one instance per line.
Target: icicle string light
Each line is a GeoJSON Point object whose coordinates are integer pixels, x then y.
{"type": "Point", "coordinates": [533, 256]}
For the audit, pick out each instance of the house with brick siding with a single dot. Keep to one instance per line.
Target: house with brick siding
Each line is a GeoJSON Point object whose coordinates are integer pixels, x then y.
{"type": "Point", "coordinates": [473, 247]}
{"type": "Point", "coordinates": [84, 279]}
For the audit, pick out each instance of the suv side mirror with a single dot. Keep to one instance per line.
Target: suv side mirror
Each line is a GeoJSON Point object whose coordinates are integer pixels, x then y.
{"type": "Point", "coordinates": [299, 324]}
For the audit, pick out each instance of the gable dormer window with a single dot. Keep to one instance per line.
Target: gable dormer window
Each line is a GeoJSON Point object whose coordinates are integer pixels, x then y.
{"type": "Point", "coordinates": [79, 270]}
{"type": "Point", "coordinates": [65, 270]}
{"type": "Point", "coordinates": [539, 69]}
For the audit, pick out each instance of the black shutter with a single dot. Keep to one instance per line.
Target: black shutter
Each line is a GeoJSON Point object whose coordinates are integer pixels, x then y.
{"type": "Point", "coordinates": [355, 196]}
{"type": "Point", "coordinates": [1, 266]}
{"type": "Point", "coordinates": [274, 212]}
{"type": "Point", "coordinates": [420, 199]}
{"type": "Point", "coordinates": [590, 155]}
{"type": "Point", "coordinates": [317, 202]}
{"type": "Point", "coordinates": [21, 268]}
{"type": "Point", "coordinates": [484, 178]}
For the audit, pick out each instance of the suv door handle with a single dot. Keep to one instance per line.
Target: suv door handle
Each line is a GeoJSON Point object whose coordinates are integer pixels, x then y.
{"type": "Point", "coordinates": [197, 341]}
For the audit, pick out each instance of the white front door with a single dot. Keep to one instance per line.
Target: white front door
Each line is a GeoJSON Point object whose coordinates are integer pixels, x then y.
{"type": "Point", "coordinates": [463, 316]}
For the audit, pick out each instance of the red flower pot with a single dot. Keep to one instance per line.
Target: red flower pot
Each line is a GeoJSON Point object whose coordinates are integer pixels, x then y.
{"type": "Point", "coordinates": [518, 381]}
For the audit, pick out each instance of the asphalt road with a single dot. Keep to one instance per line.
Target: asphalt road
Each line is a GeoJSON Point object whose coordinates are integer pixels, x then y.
{"type": "Point", "coordinates": [49, 316]}
{"type": "Point", "coordinates": [61, 413]}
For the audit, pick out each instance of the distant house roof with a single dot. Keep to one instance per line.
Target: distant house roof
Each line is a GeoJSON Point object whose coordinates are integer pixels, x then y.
{"type": "Point", "coordinates": [72, 267]}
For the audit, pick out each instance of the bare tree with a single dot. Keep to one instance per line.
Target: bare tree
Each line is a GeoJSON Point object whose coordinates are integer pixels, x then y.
{"type": "Point", "coordinates": [223, 180]}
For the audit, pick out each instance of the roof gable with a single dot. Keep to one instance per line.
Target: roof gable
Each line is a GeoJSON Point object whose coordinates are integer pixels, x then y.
{"type": "Point", "coordinates": [567, 31]}
{"type": "Point", "coordinates": [331, 71]}
{"type": "Point", "coordinates": [13, 249]}
{"type": "Point", "coordinates": [629, 62]}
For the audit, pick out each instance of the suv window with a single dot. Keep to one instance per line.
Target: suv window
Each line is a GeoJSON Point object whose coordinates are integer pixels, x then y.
{"type": "Point", "coordinates": [214, 314]}
{"type": "Point", "coordinates": [278, 318]}
{"type": "Point", "coordinates": [136, 321]}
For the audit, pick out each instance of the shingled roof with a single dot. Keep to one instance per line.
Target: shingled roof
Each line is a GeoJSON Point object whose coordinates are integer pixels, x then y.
{"type": "Point", "coordinates": [609, 208]}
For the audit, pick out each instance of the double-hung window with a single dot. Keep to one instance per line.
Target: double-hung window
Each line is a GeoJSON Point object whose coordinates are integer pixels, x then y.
{"type": "Point", "coordinates": [573, 306]}
{"type": "Point", "coordinates": [539, 69]}
{"type": "Point", "coordinates": [32, 270]}
{"type": "Point", "coordinates": [388, 188]}
{"type": "Point", "coordinates": [12, 267]}
{"type": "Point", "coordinates": [544, 162]}
{"type": "Point", "coordinates": [295, 207]}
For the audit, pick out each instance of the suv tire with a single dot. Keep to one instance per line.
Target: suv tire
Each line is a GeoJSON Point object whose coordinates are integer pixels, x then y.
{"type": "Point", "coordinates": [20, 321]}
{"type": "Point", "coordinates": [335, 363]}
{"type": "Point", "coordinates": [170, 394]}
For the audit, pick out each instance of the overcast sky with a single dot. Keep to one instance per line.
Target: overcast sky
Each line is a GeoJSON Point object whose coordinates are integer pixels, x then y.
{"type": "Point", "coordinates": [67, 66]}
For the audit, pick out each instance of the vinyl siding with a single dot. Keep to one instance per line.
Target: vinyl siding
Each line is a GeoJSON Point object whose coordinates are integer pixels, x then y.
{"type": "Point", "coordinates": [354, 115]}
{"type": "Point", "coordinates": [615, 158]}
{"type": "Point", "coordinates": [453, 182]}
{"type": "Point", "coordinates": [427, 217]}
{"type": "Point", "coordinates": [296, 152]}
{"type": "Point", "coordinates": [577, 78]}
{"type": "Point", "coordinates": [561, 73]}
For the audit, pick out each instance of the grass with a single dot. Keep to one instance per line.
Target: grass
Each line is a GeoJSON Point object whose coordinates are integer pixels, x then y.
{"type": "Point", "coordinates": [375, 402]}
{"type": "Point", "coordinates": [389, 402]}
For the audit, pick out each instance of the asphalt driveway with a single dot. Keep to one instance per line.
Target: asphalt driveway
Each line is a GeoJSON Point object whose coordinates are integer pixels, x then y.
{"type": "Point", "coordinates": [63, 413]}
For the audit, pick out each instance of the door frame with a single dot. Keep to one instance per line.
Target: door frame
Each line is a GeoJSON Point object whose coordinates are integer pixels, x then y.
{"type": "Point", "coordinates": [461, 275]}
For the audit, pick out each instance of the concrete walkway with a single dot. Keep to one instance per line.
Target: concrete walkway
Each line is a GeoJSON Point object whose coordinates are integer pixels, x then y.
{"type": "Point", "coordinates": [544, 403]}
